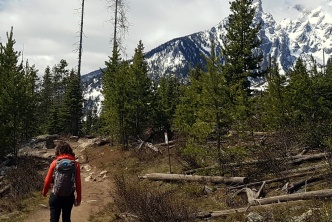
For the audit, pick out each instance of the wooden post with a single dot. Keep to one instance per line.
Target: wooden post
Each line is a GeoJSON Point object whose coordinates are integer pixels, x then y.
{"type": "Point", "coordinates": [169, 155]}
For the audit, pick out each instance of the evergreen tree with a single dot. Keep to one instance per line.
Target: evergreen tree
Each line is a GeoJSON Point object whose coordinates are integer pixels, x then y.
{"type": "Point", "coordinates": [117, 82]}
{"type": "Point", "coordinates": [167, 98]}
{"type": "Point", "coordinates": [109, 115]}
{"type": "Point", "coordinates": [322, 116]}
{"type": "Point", "coordinates": [31, 101]}
{"type": "Point", "coordinates": [186, 110]}
{"type": "Point", "coordinates": [207, 102]}
{"type": "Point", "coordinates": [275, 102]}
{"type": "Point", "coordinates": [46, 99]}
{"type": "Point", "coordinates": [140, 90]}
{"type": "Point", "coordinates": [329, 67]}
{"type": "Point", "coordinates": [91, 125]}
{"type": "Point", "coordinates": [241, 44]}
{"type": "Point", "coordinates": [303, 104]}
{"type": "Point", "coordinates": [60, 74]}
{"type": "Point", "coordinates": [53, 126]}
{"type": "Point", "coordinates": [242, 57]}
{"type": "Point", "coordinates": [17, 99]}
{"type": "Point", "coordinates": [72, 113]}
{"type": "Point", "coordinates": [301, 93]}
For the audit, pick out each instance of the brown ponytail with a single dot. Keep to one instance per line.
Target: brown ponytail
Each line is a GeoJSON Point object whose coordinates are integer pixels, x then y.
{"type": "Point", "coordinates": [63, 148]}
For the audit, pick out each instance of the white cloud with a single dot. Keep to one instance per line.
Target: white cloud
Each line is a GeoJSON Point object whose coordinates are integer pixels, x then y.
{"type": "Point", "coordinates": [47, 30]}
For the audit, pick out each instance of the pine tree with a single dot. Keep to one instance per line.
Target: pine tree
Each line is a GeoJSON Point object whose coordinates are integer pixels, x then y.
{"type": "Point", "coordinates": [31, 101]}
{"type": "Point", "coordinates": [109, 115]}
{"type": "Point", "coordinates": [60, 74]}
{"type": "Point", "coordinates": [17, 98]}
{"type": "Point", "coordinates": [275, 101]}
{"type": "Point", "coordinates": [303, 104]}
{"type": "Point", "coordinates": [243, 57]}
{"type": "Point", "coordinates": [46, 99]}
{"type": "Point", "coordinates": [72, 106]}
{"type": "Point", "coordinates": [117, 83]}
{"type": "Point", "coordinates": [186, 110]}
{"type": "Point", "coordinates": [167, 98]}
{"type": "Point", "coordinates": [207, 102]}
{"type": "Point", "coordinates": [241, 44]}
{"type": "Point", "coordinates": [140, 93]}
{"type": "Point", "coordinates": [321, 118]}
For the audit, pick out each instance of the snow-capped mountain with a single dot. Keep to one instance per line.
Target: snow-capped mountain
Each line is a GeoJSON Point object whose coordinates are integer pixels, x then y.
{"type": "Point", "coordinates": [284, 41]}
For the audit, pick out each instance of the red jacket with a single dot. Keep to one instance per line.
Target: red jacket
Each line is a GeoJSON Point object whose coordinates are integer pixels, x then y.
{"type": "Point", "coordinates": [49, 176]}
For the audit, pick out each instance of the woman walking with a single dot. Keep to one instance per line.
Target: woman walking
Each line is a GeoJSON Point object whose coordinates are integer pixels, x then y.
{"type": "Point", "coordinates": [64, 179]}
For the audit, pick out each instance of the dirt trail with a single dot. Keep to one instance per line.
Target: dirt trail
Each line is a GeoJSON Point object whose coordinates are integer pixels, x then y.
{"type": "Point", "coordinates": [95, 191]}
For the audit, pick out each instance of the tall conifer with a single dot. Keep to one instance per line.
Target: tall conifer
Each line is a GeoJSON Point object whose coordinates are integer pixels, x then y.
{"type": "Point", "coordinates": [242, 57]}
{"type": "Point", "coordinates": [140, 90]}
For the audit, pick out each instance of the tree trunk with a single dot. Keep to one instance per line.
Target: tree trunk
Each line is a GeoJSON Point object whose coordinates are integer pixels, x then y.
{"type": "Point", "coordinates": [302, 158]}
{"type": "Point", "coordinates": [214, 214]}
{"type": "Point", "coordinates": [301, 183]}
{"type": "Point", "coordinates": [269, 181]}
{"type": "Point", "coordinates": [296, 196]}
{"type": "Point", "coordinates": [182, 177]}
{"type": "Point", "coordinates": [81, 43]}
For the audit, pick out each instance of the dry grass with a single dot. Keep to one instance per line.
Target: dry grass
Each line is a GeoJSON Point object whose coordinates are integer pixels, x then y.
{"type": "Point", "coordinates": [134, 197]}
{"type": "Point", "coordinates": [26, 183]}
{"type": "Point", "coordinates": [141, 200]}
{"type": "Point", "coordinates": [149, 204]}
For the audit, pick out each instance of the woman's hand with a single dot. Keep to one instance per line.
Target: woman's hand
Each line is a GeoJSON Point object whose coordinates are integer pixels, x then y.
{"type": "Point", "coordinates": [76, 204]}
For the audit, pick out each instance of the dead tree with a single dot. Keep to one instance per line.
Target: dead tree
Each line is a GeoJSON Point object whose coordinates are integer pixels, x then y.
{"type": "Point", "coordinates": [296, 186]}
{"type": "Point", "coordinates": [182, 177]}
{"type": "Point", "coordinates": [80, 43]}
{"type": "Point", "coordinates": [252, 196]}
{"type": "Point", "coordinates": [120, 20]}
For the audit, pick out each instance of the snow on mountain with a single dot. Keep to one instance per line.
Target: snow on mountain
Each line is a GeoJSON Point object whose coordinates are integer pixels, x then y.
{"type": "Point", "coordinates": [307, 33]}
{"type": "Point", "coordinates": [310, 33]}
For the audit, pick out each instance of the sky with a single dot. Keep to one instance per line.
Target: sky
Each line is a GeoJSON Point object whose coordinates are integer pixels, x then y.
{"type": "Point", "coordinates": [46, 31]}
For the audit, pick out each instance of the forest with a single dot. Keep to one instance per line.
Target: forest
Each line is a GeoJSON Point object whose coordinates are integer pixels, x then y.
{"type": "Point", "coordinates": [216, 102]}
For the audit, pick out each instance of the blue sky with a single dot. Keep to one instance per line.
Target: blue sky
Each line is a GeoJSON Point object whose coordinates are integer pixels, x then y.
{"type": "Point", "coordinates": [46, 30]}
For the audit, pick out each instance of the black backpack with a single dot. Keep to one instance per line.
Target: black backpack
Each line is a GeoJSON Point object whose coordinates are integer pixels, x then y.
{"type": "Point", "coordinates": [64, 177]}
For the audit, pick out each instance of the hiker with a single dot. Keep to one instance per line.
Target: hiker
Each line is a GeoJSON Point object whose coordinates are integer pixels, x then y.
{"type": "Point", "coordinates": [63, 177]}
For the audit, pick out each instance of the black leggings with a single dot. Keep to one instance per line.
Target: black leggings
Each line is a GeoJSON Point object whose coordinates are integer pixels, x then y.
{"type": "Point", "coordinates": [58, 204]}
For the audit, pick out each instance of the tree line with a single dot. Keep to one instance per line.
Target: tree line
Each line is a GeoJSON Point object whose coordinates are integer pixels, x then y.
{"type": "Point", "coordinates": [219, 97]}
{"type": "Point", "coordinates": [30, 106]}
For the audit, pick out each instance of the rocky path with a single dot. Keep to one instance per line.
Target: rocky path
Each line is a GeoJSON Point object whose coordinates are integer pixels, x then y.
{"type": "Point", "coordinates": [95, 191]}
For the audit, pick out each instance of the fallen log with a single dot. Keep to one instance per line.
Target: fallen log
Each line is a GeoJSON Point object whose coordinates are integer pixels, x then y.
{"type": "Point", "coordinates": [5, 190]}
{"type": "Point", "coordinates": [198, 169]}
{"type": "Point", "coordinates": [269, 181]}
{"type": "Point", "coordinates": [252, 196]}
{"type": "Point", "coordinates": [213, 214]}
{"type": "Point", "coordinates": [304, 169]}
{"type": "Point", "coordinates": [298, 159]}
{"type": "Point", "coordinates": [197, 178]}
{"type": "Point", "coordinates": [302, 158]}
{"type": "Point", "coordinates": [295, 196]}
{"type": "Point", "coordinates": [298, 185]}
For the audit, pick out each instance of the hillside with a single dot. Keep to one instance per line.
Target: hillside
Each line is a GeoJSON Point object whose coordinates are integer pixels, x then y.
{"type": "Point", "coordinates": [120, 195]}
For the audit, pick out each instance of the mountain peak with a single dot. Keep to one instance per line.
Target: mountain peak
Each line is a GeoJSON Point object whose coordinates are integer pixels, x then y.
{"type": "Point", "coordinates": [306, 34]}
{"type": "Point", "coordinates": [258, 5]}
{"type": "Point", "coordinates": [299, 7]}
